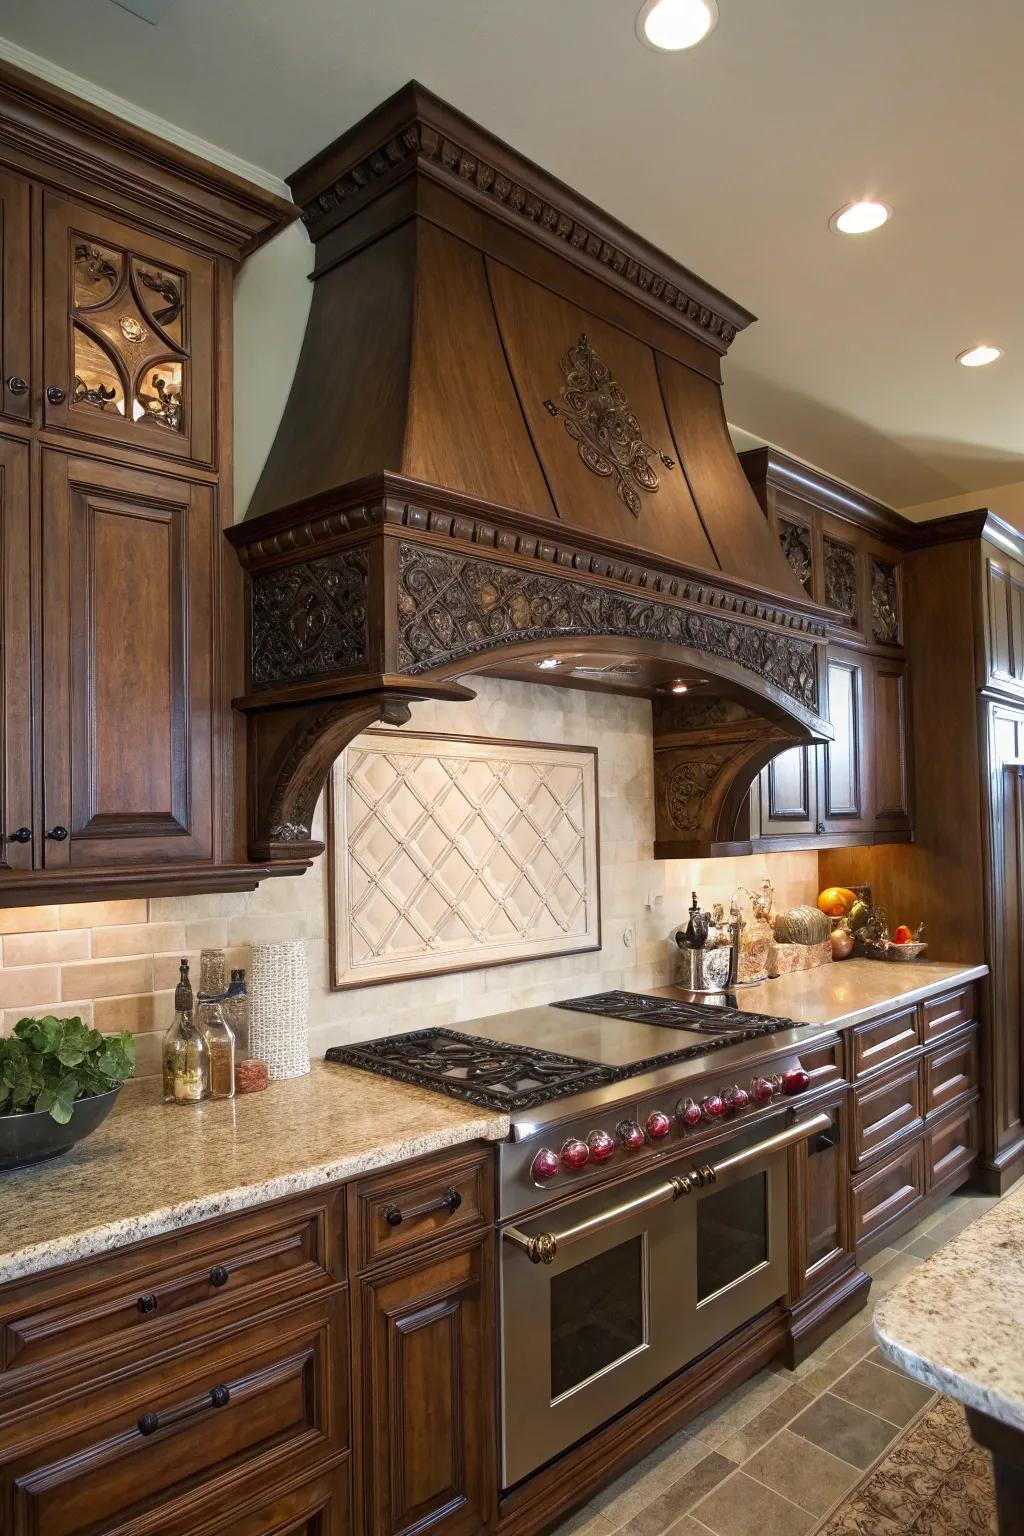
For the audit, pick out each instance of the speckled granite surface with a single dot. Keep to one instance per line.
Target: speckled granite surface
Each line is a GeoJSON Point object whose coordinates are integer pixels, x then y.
{"type": "Point", "coordinates": [957, 1322]}
{"type": "Point", "coordinates": [152, 1168]}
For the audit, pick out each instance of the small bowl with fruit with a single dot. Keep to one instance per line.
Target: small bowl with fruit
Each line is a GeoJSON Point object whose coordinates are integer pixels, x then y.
{"type": "Point", "coordinates": [860, 929]}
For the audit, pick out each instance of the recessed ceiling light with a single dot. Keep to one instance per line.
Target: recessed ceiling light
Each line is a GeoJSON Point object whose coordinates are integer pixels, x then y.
{"type": "Point", "coordinates": [548, 664]}
{"type": "Point", "coordinates": [860, 218]}
{"type": "Point", "coordinates": [977, 357]}
{"type": "Point", "coordinates": [670, 25]}
{"type": "Point", "coordinates": [680, 687]}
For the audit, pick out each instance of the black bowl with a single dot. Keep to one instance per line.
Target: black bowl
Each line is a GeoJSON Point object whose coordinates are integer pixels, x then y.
{"type": "Point", "coordinates": [26, 1139]}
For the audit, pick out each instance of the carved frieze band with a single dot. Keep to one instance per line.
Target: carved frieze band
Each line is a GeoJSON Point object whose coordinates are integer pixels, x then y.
{"type": "Point", "coordinates": [559, 549]}
{"type": "Point", "coordinates": [421, 140]}
{"type": "Point", "coordinates": [452, 606]}
{"type": "Point", "coordinates": [309, 619]}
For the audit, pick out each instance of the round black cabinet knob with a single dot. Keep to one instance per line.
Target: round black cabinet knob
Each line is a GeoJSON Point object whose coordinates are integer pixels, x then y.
{"type": "Point", "coordinates": [17, 385]}
{"type": "Point", "coordinates": [21, 835]}
{"type": "Point", "coordinates": [219, 1275]}
{"type": "Point", "coordinates": [57, 396]}
{"type": "Point", "coordinates": [147, 1303]}
{"type": "Point", "coordinates": [148, 1424]}
{"type": "Point", "coordinates": [57, 834]}
{"type": "Point", "coordinates": [820, 828]}
{"type": "Point", "coordinates": [220, 1397]}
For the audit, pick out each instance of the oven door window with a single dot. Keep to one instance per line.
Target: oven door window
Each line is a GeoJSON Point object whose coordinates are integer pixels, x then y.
{"type": "Point", "coordinates": [598, 1314]}
{"type": "Point", "coordinates": [733, 1240]}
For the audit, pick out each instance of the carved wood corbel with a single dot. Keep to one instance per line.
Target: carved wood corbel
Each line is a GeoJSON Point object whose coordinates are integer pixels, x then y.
{"type": "Point", "coordinates": [292, 749]}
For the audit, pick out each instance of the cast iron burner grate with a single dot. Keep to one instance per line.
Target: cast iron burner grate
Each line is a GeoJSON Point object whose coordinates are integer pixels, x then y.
{"type": "Point", "coordinates": [490, 1073]}
{"type": "Point", "coordinates": [669, 1012]}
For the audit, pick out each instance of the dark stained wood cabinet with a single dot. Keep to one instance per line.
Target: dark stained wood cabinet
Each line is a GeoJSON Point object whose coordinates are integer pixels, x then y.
{"type": "Point", "coordinates": [15, 313]}
{"type": "Point", "coordinates": [121, 620]}
{"type": "Point", "coordinates": [129, 604]}
{"type": "Point", "coordinates": [847, 552]}
{"type": "Point", "coordinates": [15, 662]}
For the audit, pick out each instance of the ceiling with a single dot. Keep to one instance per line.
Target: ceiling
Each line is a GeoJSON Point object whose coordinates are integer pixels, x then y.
{"type": "Point", "coordinates": [731, 157]}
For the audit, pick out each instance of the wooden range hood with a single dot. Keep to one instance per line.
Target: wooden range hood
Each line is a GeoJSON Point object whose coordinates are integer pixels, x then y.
{"type": "Point", "coordinates": [505, 446]}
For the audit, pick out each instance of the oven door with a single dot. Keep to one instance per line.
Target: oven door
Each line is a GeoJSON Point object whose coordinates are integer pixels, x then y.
{"type": "Point", "coordinates": [605, 1298]}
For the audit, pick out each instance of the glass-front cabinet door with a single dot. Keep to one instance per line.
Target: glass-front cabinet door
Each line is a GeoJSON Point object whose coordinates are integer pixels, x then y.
{"type": "Point", "coordinates": [128, 335]}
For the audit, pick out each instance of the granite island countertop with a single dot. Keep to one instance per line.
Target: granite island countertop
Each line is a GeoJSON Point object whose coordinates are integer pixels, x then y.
{"type": "Point", "coordinates": [153, 1168]}
{"type": "Point", "coordinates": [957, 1322]}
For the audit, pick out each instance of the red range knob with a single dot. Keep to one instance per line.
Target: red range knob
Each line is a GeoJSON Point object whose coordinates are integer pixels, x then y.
{"type": "Point", "coordinates": [689, 1114]}
{"type": "Point", "coordinates": [630, 1135]}
{"type": "Point", "coordinates": [713, 1106]}
{"type": "Point", "coordinates": [601, 1145]}
{"type": "Point", "coordinates": [795, 1080]}
{"type": "Point", "coordinates": [761, 1090]}
{"type": "Point", "coordinates": [544, 1166]}
{"type": "Point", "coordinates": [575, 1153]}
{"type": "Point", "coordinates": [736, 1098]}
{"type": "Point", "coordinates": [658, 1125]}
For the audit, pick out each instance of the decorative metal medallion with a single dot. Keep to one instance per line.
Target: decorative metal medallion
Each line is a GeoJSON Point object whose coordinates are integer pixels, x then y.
{"type": "Point", "coordinates": [131, 330]}
{"type": "Point", "coordinates": [607, 434]}
{"type": "Point", "coordinates": [795, 540]}
{"type": "Point", "coordinates": [841, 578]}
{"type": "Point", "coordinates": [885, 614]}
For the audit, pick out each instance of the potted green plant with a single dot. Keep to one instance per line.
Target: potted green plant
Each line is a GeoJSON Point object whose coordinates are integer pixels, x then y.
{"type": "Point", "coordinates": [59, 1079]}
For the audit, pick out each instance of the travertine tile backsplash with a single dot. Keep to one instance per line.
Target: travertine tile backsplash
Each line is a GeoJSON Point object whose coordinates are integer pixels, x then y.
{"type": "Point", "coordinates": [115, 963]}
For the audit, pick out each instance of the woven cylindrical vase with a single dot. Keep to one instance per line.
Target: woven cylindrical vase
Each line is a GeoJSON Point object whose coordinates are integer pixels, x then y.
{"type": "Point", "coordinates": [279, 1008]}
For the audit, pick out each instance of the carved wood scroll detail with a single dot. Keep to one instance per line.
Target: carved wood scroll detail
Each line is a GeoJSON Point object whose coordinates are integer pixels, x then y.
{"type": "Point", "coordinates": [841, 579]}
{"type": "Point", "coordinates": [597, 416]}
{"type": "Point", "coordinates": [885, 613]}
{"type": "Point", "coordinates": [309, 619]}
{"type": "Point", "coordinates": [452, 606]}
{"type": "Point", "coordinates": [795, 540]}
{"type": "Point", "coordinates": [687, 785]}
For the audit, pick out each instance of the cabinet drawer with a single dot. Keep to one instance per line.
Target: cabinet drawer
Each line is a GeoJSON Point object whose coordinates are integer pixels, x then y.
{"type": "Point", "coordinates": [883, 1041]}
{"type": "Point", "coordinates": [170, 1290]}
{"type": "Point", "coordinates": [951, 1146]}
{"type": "Point", "coordinates": [320, 1507]}
{"type": "Point", "coordinates": [888, 1192]}
{"type": "Point", "coordinates": [941, 1015]}
{"type": "Point", "coordinates": [398, 1210]}
{"type": "Point", "coordinates": [886, 1111]}
{"type": "Point", "coordinates": [951, 1072]}
{"type": "Point", "coordinates": [241, 1414]}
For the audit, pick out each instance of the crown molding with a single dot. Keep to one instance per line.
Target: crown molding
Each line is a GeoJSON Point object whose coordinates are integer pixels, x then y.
{"type": "Point", "coordinates": [129, 112]}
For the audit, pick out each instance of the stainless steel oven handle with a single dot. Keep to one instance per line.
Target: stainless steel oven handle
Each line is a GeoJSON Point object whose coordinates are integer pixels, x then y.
{"type": "Point", "coordinates": [543, 1249]}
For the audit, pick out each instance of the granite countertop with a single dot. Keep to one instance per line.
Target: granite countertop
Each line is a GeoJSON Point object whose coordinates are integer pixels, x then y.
{"type": "Point", "coordinates": [848, 991]}
{"type": "Point", "coordinates": [957, 1322]}
{"type": "Point", "coordinates": [151, 1168]}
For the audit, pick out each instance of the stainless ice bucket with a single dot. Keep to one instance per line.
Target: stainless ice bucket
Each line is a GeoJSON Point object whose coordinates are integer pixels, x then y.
{"type": "Point", "coordinates": [704, 970]}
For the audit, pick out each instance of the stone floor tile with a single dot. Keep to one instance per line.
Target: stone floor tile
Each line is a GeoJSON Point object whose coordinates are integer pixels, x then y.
{"type": "Point", "coordinates": [767, 1423]}
{"type": "Point", "coordinates": [628, 1494]}
{"type": "Point", "coordinates": [923, 1247]}
{"type": "Point", "coordinates": [848, 1431]}
{"type": "Point", "coordinates": [586, 1523]}
{"type": "Point", "coordinates": [663, 1512]}
{"type": "Point", "coordinates": [716, 1424]}
{"type": "Point", "coordinates": [898, 1270]}
{"type": "Point", "coordinates": [889, 1394]}
{"type": "Point", "coordinates": [743, 1507]}
{"type": "Point", "coordinates": [803, 1472]}
{"type": "Point", "coordinates": [879, 1260]}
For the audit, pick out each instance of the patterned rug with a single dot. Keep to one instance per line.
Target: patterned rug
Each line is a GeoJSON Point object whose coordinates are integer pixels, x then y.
{"type": "Point", "coordinates": [933, 1482]}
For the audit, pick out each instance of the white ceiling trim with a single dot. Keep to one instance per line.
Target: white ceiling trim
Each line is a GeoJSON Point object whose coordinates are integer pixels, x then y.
{"type": "Point", "coordinates": [77, 85]}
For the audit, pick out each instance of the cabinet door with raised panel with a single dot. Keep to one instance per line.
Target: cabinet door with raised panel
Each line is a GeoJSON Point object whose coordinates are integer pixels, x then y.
{"type": "Point", "coordinates": [845, 803]}
{"type": "Point", "coordinates": [16, 393]}
{"type": "Point", "coordinates": [128, 614]}
{"type": "Point", "coordinates": [16, 830]}
{"type": "Point", "coordinates": [787, 796]}
{"type": "Point", "coordinates": [128, 335]}
{"type": "Point", "coordinates": [426, 1349]}
{"type": "Point", "coordinates": [890, 748]}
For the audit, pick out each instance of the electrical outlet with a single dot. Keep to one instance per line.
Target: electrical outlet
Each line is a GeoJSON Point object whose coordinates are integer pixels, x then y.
{"type": "Point", "coordinates": [629, 936]}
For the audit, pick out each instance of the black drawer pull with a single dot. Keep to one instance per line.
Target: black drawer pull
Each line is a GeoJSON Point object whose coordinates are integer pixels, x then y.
{"type": "Point", "coordinates": [56, 395]}
{"type": "Point", "coordinates": [147, 1303]}
{"type": "Point", "coordinates": [17, 385]}
{"type": "Point", "coordinates": [57, 834]}
{"type": "Point", "coordinates": [217, 1397]}
{"type": "Point", "coordinates": [219, 1275]}
{"type": "Point", "coordinates": [449, 1201]}
{"type": "Point", "coordinates": [21, 835]}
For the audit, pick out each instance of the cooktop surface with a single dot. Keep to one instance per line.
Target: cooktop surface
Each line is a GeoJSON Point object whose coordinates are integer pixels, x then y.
{"type": "Point", "coordinates": [506, 1075]}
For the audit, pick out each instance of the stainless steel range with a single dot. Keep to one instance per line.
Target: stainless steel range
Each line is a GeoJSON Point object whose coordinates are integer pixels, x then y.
{"type": "Point", "coordinates": [642, 1193]}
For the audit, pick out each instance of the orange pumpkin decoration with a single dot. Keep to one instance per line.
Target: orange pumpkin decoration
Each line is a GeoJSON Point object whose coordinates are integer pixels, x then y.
{"type": "Point", "coordinates": [836, 901]}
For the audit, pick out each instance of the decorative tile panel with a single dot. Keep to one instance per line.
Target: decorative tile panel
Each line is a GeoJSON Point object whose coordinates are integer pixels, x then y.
{"type": "Point", "coordinates": [449, 854]}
